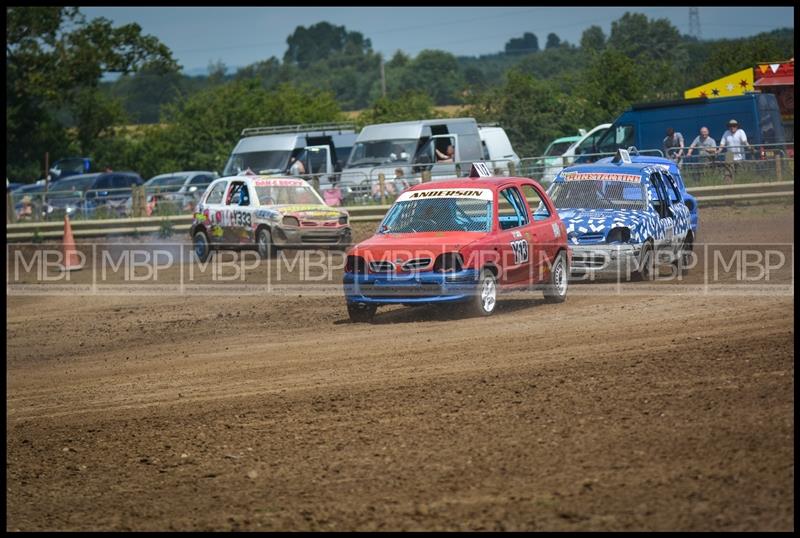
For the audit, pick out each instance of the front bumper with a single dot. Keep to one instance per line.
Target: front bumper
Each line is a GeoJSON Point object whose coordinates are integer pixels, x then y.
{"type": "Point", "coordinates": [413, 288]}
{"type": "Point", "coordinates": [621, 259]}
{"type": "Point", "coordinates": [304, 236]}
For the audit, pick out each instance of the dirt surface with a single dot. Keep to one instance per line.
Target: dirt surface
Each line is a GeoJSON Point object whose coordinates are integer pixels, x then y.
{"type": "Point", "coordinates": [612, 411]}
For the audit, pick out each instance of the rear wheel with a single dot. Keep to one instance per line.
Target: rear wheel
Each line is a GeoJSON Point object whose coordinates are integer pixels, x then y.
{"type": "Point", "coordinates": [361, 313]}
{"type": "Point", "coordinates": [556, 289]}
{"type": "Point", "coordinates": [484, 301]}
{"type": "Point", "coordinates": [683, 258]}
{"type": "Point", "coordinates": [201, 247]}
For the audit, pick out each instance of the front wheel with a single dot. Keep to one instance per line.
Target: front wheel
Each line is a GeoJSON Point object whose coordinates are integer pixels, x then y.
{"type": "Point", "coordinates": [485, 299]}
{"type": "Point", "coordinates": [555, 290]}
{"type": "Point", "coordinates": [361, 313]}
{"type": "Point", "coordinates": [647, 264]}
{"type": "Point", "coordinates": [264, 242]}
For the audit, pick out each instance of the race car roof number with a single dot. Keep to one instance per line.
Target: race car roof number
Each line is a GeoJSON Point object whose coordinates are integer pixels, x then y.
{"type": "Point", "coordinates": [480, 194]}
{"type": "Point", "coordinates": [480, 170]}
{"type": "Point", "coordinates": [601, 176]}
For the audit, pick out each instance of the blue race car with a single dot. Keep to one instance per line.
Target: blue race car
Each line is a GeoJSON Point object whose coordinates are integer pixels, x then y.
{"type": "Point", "coordinates": [671, 169]}
{"type": "Point", "coordinates": [623, 218]}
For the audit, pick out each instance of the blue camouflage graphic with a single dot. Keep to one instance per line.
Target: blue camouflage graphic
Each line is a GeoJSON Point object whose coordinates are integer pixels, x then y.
{"type": "Point", "coordinates": [590, 226]}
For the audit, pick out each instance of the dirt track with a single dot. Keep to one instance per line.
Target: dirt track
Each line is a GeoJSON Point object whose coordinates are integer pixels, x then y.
{"type": "Point", "coordinates": [275, 413]}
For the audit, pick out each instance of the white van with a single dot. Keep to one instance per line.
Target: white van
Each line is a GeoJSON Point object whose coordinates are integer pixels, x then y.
{"type": "Point", "coordinates": [322, 148]}
{"type": "Point", "coordinates": [497, 148]}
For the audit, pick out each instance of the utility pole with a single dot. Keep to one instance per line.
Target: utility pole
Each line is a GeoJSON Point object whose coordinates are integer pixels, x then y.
{"type": "Point", "coordinates": [383, 78]}
{"type": "Point", "coordinates": [694, 23]}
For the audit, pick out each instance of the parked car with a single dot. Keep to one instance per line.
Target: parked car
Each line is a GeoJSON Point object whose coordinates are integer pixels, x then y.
{"type": "Point", "coordinates": [85, 194]}
{"type": "Point", "coordinates": [623, 218]}
{"type": "Point", "coordinates": [552, 162]}
{"type": "Point", "coordinates": [70, 166]}
{"type": "Point", "coordinates": [180, 189]}
{"type": "Point", "coordinates": [266, 213]}
{"type": "Point", "coordinates": [460, 241]}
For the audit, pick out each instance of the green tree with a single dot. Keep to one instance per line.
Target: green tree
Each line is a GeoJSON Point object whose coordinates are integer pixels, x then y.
{"type": "Point", "coordinates": [593, 39]}
{"type": "Point", "coordinates": [553, 41]}
{"type": "Point", "coordinates": [204, 128]}
{"type": "Point", "coordinates": [523, 45]}
{"type": "Point", "coordinates": [55, 60]}
{"type": "Point", "coordinates": [408, 106]}
{"type": "Point", "coordinates": [322, 40]}
{"type": "Point", "coordinates": [437, 73]}
{"type": "Point", "coordinates": [531, 111]}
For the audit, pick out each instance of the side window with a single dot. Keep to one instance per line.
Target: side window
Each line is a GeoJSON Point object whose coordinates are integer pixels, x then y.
{"type": "Point", "coordinates": [238, 195]}
{"type": "Point", "coordinates": [200, 180]}
{"type": "Point", "coordinates": [122, 182]}
{"type": "Point", "coordinates": [535, 202]}
{"type": "Point", "coordinates": [510, 209]}
{"type": "Point", "coordinates": [620, 136]}
{"type": "Point", "coordinates": [216, 194]}
{"type": "Point", "coordinates": [672, 187]}
{"type": "Point", "coordinates": [658, 194]}
{"type": "Point", "coordinates": [103, 183]}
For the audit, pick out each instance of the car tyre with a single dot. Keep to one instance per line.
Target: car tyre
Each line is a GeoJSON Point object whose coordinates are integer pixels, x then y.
{"type": "Point", "coordinates": [266, 249]}
{"type": "Point", "coordinates": [555, 290]}
{"type": "Point", "coordinates": [361, 313]}
{"type": "Point", "coordinates": [484, 301]}
{"type": "Point", "coordinates": [647, 265]}
{"type": "Point", "coordinates": [202, 249]}
{"type": "Point", "coordinates": [681, 262]}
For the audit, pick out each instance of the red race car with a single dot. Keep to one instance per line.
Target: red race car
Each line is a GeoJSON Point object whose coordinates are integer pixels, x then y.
{"type": "Point", "coordinates": [460, 241]}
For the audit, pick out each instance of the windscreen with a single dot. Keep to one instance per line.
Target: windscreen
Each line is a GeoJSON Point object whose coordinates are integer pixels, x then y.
{"type": "Point", "coordinates": [281, 195]}
{"type": "Point", "coordinates": [558, 149]}
{"type": "Point", "coordinates": [417, 212]}
{"type": "Point", "coordinates": [167, 183]}
{"type": "Point", "coordinates": [376, 152]}
{"type": "Point", "coordinates": [260, 162]}
{"type": "Point", "coordinates": [597, 194]}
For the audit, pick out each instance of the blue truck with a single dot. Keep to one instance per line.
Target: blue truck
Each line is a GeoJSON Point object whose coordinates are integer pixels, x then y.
{"type": "Point", "coordinates": [644, 125]}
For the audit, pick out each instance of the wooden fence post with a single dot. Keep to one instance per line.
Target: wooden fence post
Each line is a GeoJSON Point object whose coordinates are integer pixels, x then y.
{"type": "Point", "coordinates": [382, 185]}
{"type": "Point", "coordinates": [512, 169]}
{"type": "Point", "coordinates": [778, 167]}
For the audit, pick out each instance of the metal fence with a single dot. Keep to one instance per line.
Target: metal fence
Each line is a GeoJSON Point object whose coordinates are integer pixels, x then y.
{"type": "Point", "coordinates": [380, 185]}
{"type": "Point", "coordinates": [735, 164]}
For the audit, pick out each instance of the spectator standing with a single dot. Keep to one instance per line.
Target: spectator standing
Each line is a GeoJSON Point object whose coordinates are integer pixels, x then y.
{"type": "Point", "coordinates": [705, 145]}
{"type": "Point", "coordinates": [672, 142]}
{"type": "Point", "coordinates": [735, 141]}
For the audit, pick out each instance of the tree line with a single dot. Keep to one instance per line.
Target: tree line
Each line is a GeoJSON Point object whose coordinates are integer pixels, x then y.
{"type": "Point", "coordinates": [154, 119]}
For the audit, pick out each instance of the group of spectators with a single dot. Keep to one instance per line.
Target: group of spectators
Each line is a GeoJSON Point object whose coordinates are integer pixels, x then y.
{"type": "Point", "coordinates": [734, 139]}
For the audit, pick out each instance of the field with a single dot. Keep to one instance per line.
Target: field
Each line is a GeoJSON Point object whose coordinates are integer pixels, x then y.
{"type": "Point", "coordinates": [612, 411]}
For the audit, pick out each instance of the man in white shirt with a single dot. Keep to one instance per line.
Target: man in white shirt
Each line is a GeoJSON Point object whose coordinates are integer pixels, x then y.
{"type": "Point", "coordinates": [735, 140]}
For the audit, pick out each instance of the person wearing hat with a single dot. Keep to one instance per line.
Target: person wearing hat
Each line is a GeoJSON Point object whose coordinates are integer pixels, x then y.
{"type": "Point", "coordinates": [735, 140]}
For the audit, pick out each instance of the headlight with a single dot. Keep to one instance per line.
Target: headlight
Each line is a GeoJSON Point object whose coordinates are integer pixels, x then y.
{"type": "Point", "coordinates": [291, 221]}
{"type": "Point", "coordinates": [449, 262]}
{"type": "Point", "coordinates": [619, 235]}
{"type": "Point", "coordinates": [343, 219]}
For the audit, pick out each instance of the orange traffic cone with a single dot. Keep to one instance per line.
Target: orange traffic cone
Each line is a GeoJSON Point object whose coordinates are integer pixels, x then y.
{"type": "Point", "coordinates": [71, 259]}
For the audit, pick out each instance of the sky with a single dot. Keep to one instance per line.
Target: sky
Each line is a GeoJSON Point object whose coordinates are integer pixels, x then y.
{"type": "Point", "coordinates": [239, 36]}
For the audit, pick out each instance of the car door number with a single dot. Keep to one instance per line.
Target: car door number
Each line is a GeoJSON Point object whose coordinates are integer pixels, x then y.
{"type": "Point", "coordinates": [520, 249]}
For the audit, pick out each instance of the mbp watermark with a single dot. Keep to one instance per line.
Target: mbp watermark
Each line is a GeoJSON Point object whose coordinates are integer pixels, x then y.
{"type": "Point", "coordinates": [174, 268]}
